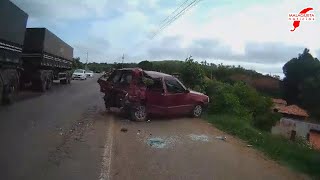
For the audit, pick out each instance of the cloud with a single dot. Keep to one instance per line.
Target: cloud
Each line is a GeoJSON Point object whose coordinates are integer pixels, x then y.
{"type": "Point", "coordinates": [51, 10]}
{"type": "Point", "coordinates": [271, 52]}
{"type": "Point", "coordinates": [97, 49]}
{"type": "Point", "coordinates": [318, 54]}
{"type": "Point", "coordinates": [258, 23]}
{"type": "Point", "coordinates": [81, 9]}
{"type": "Point", "coordinates": [243, 32]}
{"type": "Point", "coordinates": [267, 53]}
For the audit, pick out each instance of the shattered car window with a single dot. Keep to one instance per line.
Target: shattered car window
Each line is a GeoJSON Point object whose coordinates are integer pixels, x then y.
{"type": "Point", "coordinates": [173, 86]}
{"type": "Point", "coordinates": [156, 86]}
{"type": "Point", "coordinates": [126, 78]}
{"type": "Point", "coordinates": [116, 77]}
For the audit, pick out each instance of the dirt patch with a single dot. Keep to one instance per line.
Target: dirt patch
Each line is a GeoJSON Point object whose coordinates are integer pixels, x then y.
{"type": "Point", "coordinates": [73, 134]}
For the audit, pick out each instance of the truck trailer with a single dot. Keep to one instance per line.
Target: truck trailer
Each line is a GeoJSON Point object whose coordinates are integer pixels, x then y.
{"type": "Point", "coordinates": [29, 57]}
{"type": "Point", "coordinates": [45, 58]}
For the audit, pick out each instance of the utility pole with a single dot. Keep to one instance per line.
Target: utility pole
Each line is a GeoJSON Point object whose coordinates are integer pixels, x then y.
{"type": "Point", "coordinates": [86, 67]}
{"type": "Point", "coordinates": [122, 60]}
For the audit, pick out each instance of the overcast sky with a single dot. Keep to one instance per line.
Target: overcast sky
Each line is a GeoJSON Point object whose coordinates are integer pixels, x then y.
{"type": "Point", "coordinates": [255, 35]}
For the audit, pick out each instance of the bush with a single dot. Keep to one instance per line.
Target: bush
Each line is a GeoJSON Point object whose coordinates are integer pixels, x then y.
{"type": "Point", "coordinates": [193, 75]}
{"type": "Point", "coordinates": [266, 120]}
{"type": "Point", "coordinates": [241, 100]}
{"type": "Point", "coordinates": [298, 156]}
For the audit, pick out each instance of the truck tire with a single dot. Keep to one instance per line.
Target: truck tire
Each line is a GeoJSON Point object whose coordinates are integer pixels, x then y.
{"type": "Point", "coordinates": [9, 94]}
{"type": "Point", "coordinates": [10, 85]}
{"type": "Point", "coordinates": [43, 84]}
{"type": "Point", "coordinates": [1, 90]}
{"type": "Point", "coordinates": [49, 83]}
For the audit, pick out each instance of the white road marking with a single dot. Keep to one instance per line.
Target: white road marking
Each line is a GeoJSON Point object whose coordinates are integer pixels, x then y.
{"type": "Point", "coordinates": [107, 154]}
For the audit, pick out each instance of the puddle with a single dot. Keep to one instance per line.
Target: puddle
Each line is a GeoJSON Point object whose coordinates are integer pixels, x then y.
{"type": "Point", "coordinates": [196, 137]}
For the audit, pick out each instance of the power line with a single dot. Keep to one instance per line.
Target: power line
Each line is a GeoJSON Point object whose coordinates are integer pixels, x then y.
{"type": "Point", "coordinates": [164, 21]}
{"type": "Point", "coordinates": [172, 15]}
{"type": "Point", "coordinates": [170, 19]}
{"type": "Point", "coordinates": [177, 16]}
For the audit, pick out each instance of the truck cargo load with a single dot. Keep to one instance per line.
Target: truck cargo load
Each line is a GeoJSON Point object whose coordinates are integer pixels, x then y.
{"type": "Point", "coordinates": [13, 23]}
{"type": "Point", "coordinates": [44, 49]}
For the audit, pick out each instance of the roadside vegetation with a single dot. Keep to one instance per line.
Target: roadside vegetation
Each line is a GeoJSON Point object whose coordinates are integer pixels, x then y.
{"type": "Point", "coordinates": [296, 155]}
{"type": "Point", "coordinates": [240, 101]}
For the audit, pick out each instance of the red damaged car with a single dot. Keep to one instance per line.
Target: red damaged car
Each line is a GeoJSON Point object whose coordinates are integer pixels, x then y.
{"type": "Point", "coordinates": [141, 93]}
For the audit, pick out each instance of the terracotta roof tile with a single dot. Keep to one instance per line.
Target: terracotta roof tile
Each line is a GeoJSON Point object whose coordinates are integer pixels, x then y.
{"type": "Point", "coordinates": [293, 110]}
{"type": "Point", "coordinates": [279, 101]}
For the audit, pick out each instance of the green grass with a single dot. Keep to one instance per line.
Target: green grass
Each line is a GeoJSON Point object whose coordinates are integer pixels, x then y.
{"type": "Point", "coordinates": [296, 155]}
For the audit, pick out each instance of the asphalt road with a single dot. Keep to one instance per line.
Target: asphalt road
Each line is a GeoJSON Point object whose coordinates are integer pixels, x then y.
{"type": "Point", "coordinates": [65, 134]}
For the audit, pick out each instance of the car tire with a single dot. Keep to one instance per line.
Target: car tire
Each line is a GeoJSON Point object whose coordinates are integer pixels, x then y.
{"type": "Point", "coordinates": [139, 113]}
{"type": "Point", "coordinates": [197, 111]}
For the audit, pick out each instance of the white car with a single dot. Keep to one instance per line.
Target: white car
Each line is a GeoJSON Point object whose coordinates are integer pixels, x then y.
{"type": "Point", "coordinates": [79, 74]}
{"type": "Point", "coordinates": [89, 74]}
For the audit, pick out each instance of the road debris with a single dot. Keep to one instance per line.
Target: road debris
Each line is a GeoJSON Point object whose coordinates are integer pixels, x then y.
{"type": "Point", "coordinates": [201, 137]}
{"type": "Point", "coordinates": [223, 138]}
{"type": "Point", "coordinates": [138, 132]}
{"type": "Point", "coordinates": [249, 145]}
{"type": "Point", "coordinates": [161, 143]}
{"type": "Point", "coordinates": [124, 130]}
{"type": "Point", "coordinates": [156, 142]}
{"type": "Point", "coordinates": [148, 120]}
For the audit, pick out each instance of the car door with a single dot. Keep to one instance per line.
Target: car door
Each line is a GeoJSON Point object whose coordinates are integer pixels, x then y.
{"type": "Point", "coordinates": [155, 98]}
{"type": "Point", "coordinates": [177, 98]}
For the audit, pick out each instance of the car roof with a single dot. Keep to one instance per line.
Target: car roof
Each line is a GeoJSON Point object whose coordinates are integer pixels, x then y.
{"type": "Point", "coordinates": [152, 74]}
{"type": "Point", "coordinates": [129, 69]}
{"type": "Point", "coordinates": [155, 74]}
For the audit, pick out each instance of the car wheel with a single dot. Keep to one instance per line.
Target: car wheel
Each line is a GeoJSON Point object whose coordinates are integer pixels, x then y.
{"type": "Point", "coordinates": [197, 111]}
{"type": "Point", "coordinates": [139, 113]}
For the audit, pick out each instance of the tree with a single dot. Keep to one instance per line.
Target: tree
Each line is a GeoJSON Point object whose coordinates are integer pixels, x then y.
{"type": "Point", "coordinates": [77, 64]}
{"type": "Point", "coordinates": [310, 94]}
{"type": "Point", "coordinates": [192, 74]}
{"type": "Point", "coordinates": [302, 81]}
{"type": "Point", "coordinates": [145, 65]}
{"type": "Point", "coordinates": [296, 71]}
